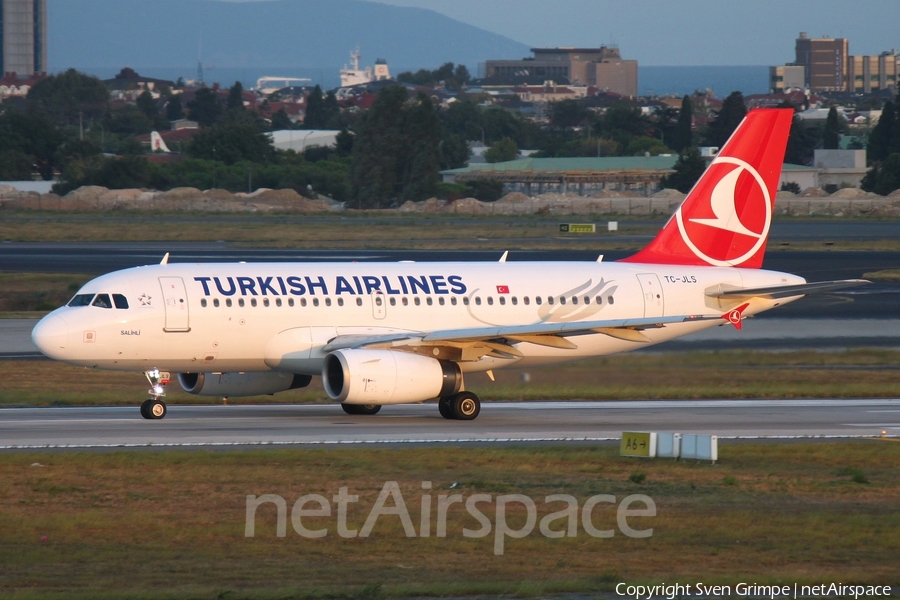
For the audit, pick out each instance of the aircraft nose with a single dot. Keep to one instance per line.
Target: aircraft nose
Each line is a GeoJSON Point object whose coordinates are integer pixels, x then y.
{"type": "Point", "coordinates": [50, 335]}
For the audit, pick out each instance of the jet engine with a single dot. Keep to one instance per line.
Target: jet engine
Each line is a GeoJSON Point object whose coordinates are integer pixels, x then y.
{"type": "Point", "coordinates": [387, 377]}
{"type": "Point", "coordinates": [230, 385]}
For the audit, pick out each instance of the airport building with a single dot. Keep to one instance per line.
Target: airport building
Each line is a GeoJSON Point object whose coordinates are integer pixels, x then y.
{"type": "Point", "coordinates": [603, 68]}
{"type": "Point", "coordinates": [872, 73]}
{"type": "Point", "coordinates": [825, 62]}
{"type": "Point", "coordinates": [23, 37]}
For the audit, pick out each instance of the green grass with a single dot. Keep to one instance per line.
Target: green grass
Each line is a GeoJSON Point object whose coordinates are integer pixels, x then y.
{"type": "Point", "coordinates": [171, 524]}
{"type": "Point", "coordinates": [858, 373]}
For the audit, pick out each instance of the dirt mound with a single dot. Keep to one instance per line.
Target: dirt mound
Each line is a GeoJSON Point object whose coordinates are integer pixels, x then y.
{"type": "Point", "coordinates": [469, 206]}
{"type": "Point", "coordinates": [813, 192]}
{"type": "Point", "coordinates": [184, 193]}
{"type": "Point", "coordinates": [849, 193]}
{"type": "Point", "coordinates": [612, 194]}
{"type": "Point", "coordinates": [515, 197]}
{"type": "Point", "coordinates": [218, 194]}
{"type": "Point", "coordinates": [894, 194]}
{"type": "Point", "coordinates": [668, 193]}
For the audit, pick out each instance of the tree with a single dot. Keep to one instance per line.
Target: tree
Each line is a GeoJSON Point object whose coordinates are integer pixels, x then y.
{"type": "Point", "coordinates": [422, 133]}
{"type": "Point", "coordinates": [15, 165]}
{"type": "Point", "coordinates": [281, 120]}
{"type": "Point", "coordinates": [883, 178]}
{"type": "Point", "coordinates": [502, 151]}
{"type": "Point", "coordinates": [455, 152]}
{"type": "Point", "coordinates": [463, 118]}
{"type": "Point", "coordinates": [623, 122]}
{"type": "Point", "coordinates": [332, 110]}
{"type": "Point", "coordinates": [70, 98]}
{"type": "Point", "coordinates": [235, 98]}
{"type": "Point", "coordinates": [683, 136]}
{"type": "Point", "coordinates": [802, 142]}
{"type": "Point", "coordinates": [378, 150]}
{"type": "Point", "coordinates": [149, 106]}
{"type": "Point", "coordinates": [316, 117]}
{"type": "Point", "coordinates": [231, 142]}
{"type": "Point", "coordinates": [205, 107]}
{"type": "Point", "coordinates": [687, 170]}
{"type": "Point", "coordinates": [831, 134]}
{"type": "Point", "coordinates": [34, 135]}
{"type": "Point", "coordinates": [174, 110]}
{"type": "Point", "coordinates": [881, 139]}
{"type": "Point", "coordinates": [568, 113]}
{"type": "Point", "coordinates": [727, 120]}
{"type": "Point", "coordinates": [343, 143]}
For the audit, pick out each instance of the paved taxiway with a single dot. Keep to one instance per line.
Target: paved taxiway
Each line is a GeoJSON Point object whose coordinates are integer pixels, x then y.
{"type": "Point", "coordinates": [202, 426]}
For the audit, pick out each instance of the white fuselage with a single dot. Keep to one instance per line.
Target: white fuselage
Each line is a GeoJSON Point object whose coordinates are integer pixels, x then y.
{"type": "Point", "coordinates": [279, 316]}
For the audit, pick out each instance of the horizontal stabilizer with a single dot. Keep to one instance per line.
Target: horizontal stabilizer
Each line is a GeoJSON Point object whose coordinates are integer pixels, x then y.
{"type": "Point", "coordinates": [787, 291]}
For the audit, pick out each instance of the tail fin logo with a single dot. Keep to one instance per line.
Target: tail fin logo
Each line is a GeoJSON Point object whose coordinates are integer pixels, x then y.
{"type": "Point", "coordinates": [737, 202]}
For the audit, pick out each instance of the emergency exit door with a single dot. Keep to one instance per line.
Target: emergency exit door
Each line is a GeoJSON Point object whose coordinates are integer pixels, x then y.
{"type": "Point", "coordinates": [175, 300]}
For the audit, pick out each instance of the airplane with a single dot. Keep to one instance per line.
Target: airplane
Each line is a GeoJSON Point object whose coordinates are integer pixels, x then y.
{"type": "Point", "coordinates": [405, 332]}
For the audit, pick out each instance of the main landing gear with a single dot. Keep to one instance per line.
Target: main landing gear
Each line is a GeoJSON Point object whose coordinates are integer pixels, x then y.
{"type": "Point", "coordinates": [360, 409]}
{"type": "Point", "coordinates": [154, 408]}
{"type": "Point", "coordinates": [463, 406]}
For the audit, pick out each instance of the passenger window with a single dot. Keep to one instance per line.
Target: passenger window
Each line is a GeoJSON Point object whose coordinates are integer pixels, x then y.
{"type": "Point", "coordinates": [549, 299]}
{"type": "Point", "coordinates": [315, 301]}
{"type": "Point", "coordinates": [611, 300]}
{"type": "Point", "coordinates": [574, 299]}
{"type": "Point", "coordinates": [537, 300]}
{"type": "Point", "coordinates": [102, 301]}
{"type": "Point", "coordinates": [121, 301]}
{"type": "Point", "coordinates": [562, 299]}
{"type": "Point", "coordinates": [418, 301]}
{"type": "Point", "coordinates": [429, 301]}
{"type": "Point", "coordinates": [441, 300]}
{"type": "Point", "coordinates": [327, 301]}
{"type": "Point", "coordinates": [359, 301]}
{"type": "Point", "coordinates": [490, 300]}
{"type": "Point", "coordinates": [278, 302]}
{"type": "Point", "coordinates": [478, 300]}
{"type": "Point", "coordinates": [265, 302]}
{"type": "Point", "coordinates": [393, 302]}
{"type": "Point", "coordinates": [302, 301]}
{"type": "Point", "coordinates": [405, 301]}
{"type": "Point", "coordinates": [253, 302]}
{"type": "Point", "coordinates": [587, 299]}
{"type": "Point", "coordinates": [81, 300]}
{"type": "Point", "coordinates": [340, 301]}
{"type": "Point", "coordinates": [502, 301]}
{"type": "Point", "coordinates": [228, 302]}
{"type": "Point", "coordinates": [453, 301]}
{"type": "Point", "coordinates": [290, 302]}
{"type": "Point", "coordinates": [515, 301]}
{"type": "Point", "coordinates": [216, 302]}
{"type": "Point", "coordinates": [241, 302]}
{"type": "Point", "coordinates": [526, 301]}
{"type": "Point", "coordinates": [466, 301]}
{"type": "Point", "coordinates": [203, 302]}
{"type": "Point", "coordinates": [599, 300]}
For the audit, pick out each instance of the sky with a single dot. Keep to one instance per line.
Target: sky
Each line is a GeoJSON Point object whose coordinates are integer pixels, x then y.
{"type": "Point", "coordinates": [681, 32]}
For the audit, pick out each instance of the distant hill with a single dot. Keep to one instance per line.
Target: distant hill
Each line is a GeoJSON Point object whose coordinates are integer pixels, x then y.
{"type": "Point", "coordinates": [106, 35]}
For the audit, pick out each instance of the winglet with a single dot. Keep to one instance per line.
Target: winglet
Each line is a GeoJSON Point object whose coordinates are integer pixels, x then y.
{"type": "Point", "coordinates": [735, 316]}
{"type": "Point", "coordinates": [165, 259]}
{"type": "Point", "coordinates": [505, 255]}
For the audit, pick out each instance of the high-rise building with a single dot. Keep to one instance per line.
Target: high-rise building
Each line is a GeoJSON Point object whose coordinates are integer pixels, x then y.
{"type": "Point", "coordinates": [825, 62]}
{"type": "Point", "coordinates": [872, 73]}
{"type": "Point", "coordinates": [23, 36]}
{"type": "Point", "coordinates": [601, 67]}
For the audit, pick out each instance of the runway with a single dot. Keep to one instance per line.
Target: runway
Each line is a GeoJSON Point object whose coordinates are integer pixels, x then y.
{"type": "Point", "coordinates": [525, 422]}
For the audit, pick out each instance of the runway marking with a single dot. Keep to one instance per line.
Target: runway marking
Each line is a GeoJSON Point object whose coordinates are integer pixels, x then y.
{"type": "Point", "coordinates": [411, 441]}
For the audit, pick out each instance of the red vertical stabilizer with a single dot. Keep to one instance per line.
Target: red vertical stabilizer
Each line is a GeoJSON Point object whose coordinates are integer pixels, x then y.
{"type": "Point", "coordinates": [724, 220]}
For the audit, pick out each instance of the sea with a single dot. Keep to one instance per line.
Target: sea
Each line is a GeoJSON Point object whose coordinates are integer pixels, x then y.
{"type": "Point", "coordinates": [652, 80]}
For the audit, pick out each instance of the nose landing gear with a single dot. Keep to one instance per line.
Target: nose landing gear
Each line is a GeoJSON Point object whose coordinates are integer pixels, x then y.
{"type": "Point", "coordinates": [154, 408]}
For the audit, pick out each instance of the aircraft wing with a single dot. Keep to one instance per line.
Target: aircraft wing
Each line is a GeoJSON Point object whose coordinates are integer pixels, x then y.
{"type": "Point", "coordinates": [786, 291]}
{"type": "Point", "coordinates": [472, 343]}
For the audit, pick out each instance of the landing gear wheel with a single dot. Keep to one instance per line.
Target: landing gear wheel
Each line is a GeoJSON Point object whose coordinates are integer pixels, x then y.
{"type": "Point", "coordinates": [465, 406]}
{"type": "Point", "coordinates": [444, 407]}
{"type": "Point", "coordinates": [156, 409]}
{"type": "Point", "coordinates": [361, 409]}
{"type": "Point", "coordinates": [145, 408]}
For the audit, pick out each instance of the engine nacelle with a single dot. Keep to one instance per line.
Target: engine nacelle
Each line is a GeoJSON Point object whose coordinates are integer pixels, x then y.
{"type": "Point", "coordinates": [387, 377]}
{"type": "Point", "coordinates": [232, 385]}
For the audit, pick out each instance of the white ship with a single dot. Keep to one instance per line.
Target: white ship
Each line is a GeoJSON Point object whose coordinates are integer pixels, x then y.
{"type": "Point", "coordinates": [352, 75]}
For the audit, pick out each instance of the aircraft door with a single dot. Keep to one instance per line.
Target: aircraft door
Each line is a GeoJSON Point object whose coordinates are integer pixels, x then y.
{"type": "Point", "coordinates": [654, 303]}
{"type": "Point", "coordinates": [379, 305]}
{"type": "Point", "coordinates": [175, 299]}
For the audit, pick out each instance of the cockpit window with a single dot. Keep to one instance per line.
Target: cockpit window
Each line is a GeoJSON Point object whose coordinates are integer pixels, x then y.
{"type": "Point", "coordinates": [102, 300]}
{"type": "Point", "coordinates": [81, 300]}
{"type": "Point", "coordinates": [120, 300]}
